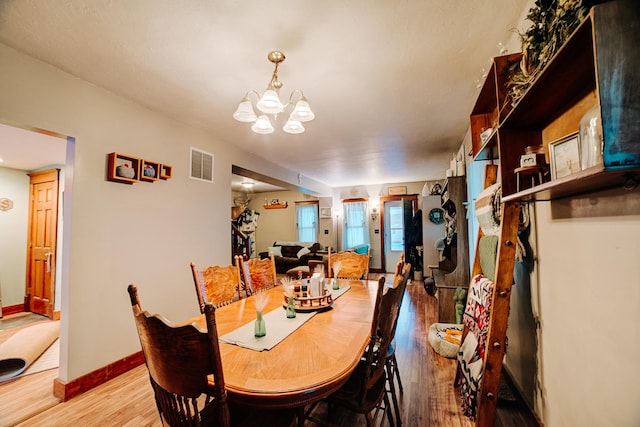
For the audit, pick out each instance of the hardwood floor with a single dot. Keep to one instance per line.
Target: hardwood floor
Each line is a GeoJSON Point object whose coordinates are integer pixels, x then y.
{"type": "Point", "coordinates": [428, 398]}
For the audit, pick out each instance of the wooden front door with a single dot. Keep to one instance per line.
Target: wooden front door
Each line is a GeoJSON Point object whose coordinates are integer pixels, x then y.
{"type": "Point", "coordinates": [41, 244]}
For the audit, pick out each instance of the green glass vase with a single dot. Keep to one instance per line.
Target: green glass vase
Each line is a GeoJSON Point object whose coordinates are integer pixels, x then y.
{"type": "Point", "coordinates": [259, 328]}
{"type": "Point", "coordinates": [291, 309]}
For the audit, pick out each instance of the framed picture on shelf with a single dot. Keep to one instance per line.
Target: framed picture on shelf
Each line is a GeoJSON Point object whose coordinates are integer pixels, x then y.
{"type": "Point", "coordinates": [325, 212]}
{"type": "Point", "coordinates": [564, 156]}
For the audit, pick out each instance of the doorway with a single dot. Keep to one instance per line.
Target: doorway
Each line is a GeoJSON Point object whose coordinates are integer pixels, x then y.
{"type": "Point", "coordinates": [42, 242]}
{"type": "Point", "coordinates": [31, 151]}
{"type": "Point", "coordinates": [28, 150]}
{"type": "Point", "coordinates": [393, 232]}
{"type": "Point", "coordinates": [395, 210]}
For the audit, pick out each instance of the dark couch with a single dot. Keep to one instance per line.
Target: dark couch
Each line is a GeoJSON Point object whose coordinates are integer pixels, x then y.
{"type": "Point", "coordinates": [289, 258]}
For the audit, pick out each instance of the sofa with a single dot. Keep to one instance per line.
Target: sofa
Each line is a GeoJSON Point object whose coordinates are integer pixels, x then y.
{"type": "Point", "coordinates": [288, 255]}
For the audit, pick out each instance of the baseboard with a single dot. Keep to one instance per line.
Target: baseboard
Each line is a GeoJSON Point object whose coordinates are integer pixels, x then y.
{"type": "Point", "coordinates": [65, 391]}
{"type": "Point", "coordinates": [12, 309]}
{"type": "Point", "coordinates": [514, 387]}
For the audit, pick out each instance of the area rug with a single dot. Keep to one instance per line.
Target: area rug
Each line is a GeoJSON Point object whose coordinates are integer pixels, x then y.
{"type": "Point", "coordinates": [21, 319]}
{"type": "Point", "coordinates": [19, 351]}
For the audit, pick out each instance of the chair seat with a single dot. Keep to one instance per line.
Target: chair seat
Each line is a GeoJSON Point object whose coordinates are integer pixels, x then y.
{"type": "Point", "coordinates": [349, 394]}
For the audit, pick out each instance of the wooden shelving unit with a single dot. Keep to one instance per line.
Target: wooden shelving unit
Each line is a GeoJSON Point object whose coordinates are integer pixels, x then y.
{"type": "Point", "coordinates": [491, 107]}
{"type": "Point", "coordinates": [276, 206]}
{"type": "Point", "coordinates": [599, 64]}
{"type": "Point", "coordinates": [453, 272]}
{"type": "Point", "coordinates": [116, 161]}
{"type": "Point", "coordinates": [166, 172]}
{"type": "Point", "coordinates": [149, 171]}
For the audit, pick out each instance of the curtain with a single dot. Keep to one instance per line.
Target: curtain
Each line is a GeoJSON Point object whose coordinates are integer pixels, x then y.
{"type": "Point", "coordinates": [307, 222]}
{"type": "Point", "coordinates": [356, 224]}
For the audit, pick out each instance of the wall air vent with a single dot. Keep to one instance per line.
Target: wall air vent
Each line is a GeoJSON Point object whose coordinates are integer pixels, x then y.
{"type": "Point", "coordinates": [201, 165]}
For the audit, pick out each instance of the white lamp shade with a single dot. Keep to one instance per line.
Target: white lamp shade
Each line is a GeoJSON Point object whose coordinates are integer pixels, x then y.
{"type": "Point", "coordinates": [293, 126]}
{"type": "Point", "coordinates": [245, 112]}
{"type": "Point", "coordinates": [302, 112]}
{"type": "Point", "coordinates": [262, 125]}
{"type": "Point", "coordinates": [270, 103]}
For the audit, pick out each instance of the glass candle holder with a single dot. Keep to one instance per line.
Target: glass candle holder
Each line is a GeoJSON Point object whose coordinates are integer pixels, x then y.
{"type": "Point", "coordinates": [335, 285]}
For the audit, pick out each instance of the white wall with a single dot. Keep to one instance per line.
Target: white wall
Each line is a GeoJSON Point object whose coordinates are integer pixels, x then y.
{"type": "Point", "coordinates": [14, 185]}
{"type": "Point", "coordinates": [589, 297]}
{"type": "Point", "coordinates": [118, 234]}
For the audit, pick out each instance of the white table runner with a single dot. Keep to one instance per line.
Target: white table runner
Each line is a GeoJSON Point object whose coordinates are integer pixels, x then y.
{"type": "Point", "coordinates": [277, 324]}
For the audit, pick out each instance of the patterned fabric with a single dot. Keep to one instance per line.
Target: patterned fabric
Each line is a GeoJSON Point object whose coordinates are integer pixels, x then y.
{"type": "Point", "coordinates": [469, 375]}
{"type": "Point", "coordinates": [471, 354]}
{"type": "Point", "coordinates": [476, 313]}
{"type": "Point", "coordinates": [487, 207]}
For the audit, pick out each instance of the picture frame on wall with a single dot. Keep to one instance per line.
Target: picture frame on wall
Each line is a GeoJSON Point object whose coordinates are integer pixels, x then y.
{"type": "Point", "coordinates": [398, 190]}
{"type": "Point", "coordinates": [325, 212]}
{"type": "Point", "coordinates": [564, 156]}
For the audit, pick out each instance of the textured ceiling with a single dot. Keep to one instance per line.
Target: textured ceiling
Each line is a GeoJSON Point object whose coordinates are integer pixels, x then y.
{"type": "Point", "coordinates": [392, 83]}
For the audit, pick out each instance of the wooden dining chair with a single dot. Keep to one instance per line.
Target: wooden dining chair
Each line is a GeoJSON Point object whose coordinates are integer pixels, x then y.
{"type": "Point", "coordinates": [400, 280]}
{"type": "Point", "coordinates": [353, 265]}
{"type": "Point", "coordinates": [217, 285]}
{"type": "Point", "coordinates": [180, 360]}
{"type": "Point", "coordinates": [365, 391]}
{"type": "Point", "coordinates": [258, 274]}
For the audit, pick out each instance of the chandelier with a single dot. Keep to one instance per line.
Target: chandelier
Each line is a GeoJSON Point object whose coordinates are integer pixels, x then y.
{"type": "Point", "coordinates": [269, 104]}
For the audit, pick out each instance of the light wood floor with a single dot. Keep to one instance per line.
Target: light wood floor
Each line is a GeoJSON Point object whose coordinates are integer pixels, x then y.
{"type": "Point", "coordinates": [428, 398]}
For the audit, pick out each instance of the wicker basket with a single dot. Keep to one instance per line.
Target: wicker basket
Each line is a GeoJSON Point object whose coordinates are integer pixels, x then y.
{"type": "Point", "coordinates": [438, 339]}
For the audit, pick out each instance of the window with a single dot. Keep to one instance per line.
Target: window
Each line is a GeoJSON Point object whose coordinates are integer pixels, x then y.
{"type": "Point", "coordinates": [396, 228]}
{"type": "Point", "coordinates": [356, 224]}
{"type": "Point", "coordinates": [307, 221]}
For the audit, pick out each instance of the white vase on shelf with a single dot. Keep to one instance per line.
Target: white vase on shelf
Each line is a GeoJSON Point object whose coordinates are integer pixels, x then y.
{"type": "Point", "coordinates": [591, 138]}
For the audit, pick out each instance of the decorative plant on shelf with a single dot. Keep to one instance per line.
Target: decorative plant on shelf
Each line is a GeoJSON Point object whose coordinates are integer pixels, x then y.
{"type": "Point", "coordinates": [553, 21]}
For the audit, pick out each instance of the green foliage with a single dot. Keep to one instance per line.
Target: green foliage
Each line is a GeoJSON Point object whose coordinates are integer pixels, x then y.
{"type": "Point", "coordinates": [553, 21]}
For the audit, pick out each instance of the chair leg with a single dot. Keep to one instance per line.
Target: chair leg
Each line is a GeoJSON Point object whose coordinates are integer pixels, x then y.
{"type": "Point", "coordinates": [387, 410]}
{"type": "Point", "coordinates": [396, 372]}
{"type": "Point", "coordinates": [392, 390]}
{"type": "Point", "coordinates": [300, 416]}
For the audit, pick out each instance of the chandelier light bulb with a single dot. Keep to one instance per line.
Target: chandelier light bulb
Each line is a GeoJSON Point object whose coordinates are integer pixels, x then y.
{"type": "Point", "coordinates": [270, 102]}
{"type": "Point", "coordinates": [245, 112]}
{"type": "Point", "coordinates": [302, 112]}
{"type": "Point", "coordinates": [262, 125]}
{"type": "Point", "coordinates": [293, 126]}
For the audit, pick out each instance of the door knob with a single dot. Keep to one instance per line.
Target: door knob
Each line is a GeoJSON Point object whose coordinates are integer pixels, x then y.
{"type": "Point", "coordinates": [48, 261]}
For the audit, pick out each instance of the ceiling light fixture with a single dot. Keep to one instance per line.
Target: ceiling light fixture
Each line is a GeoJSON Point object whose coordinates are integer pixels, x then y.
{"type": "Point", "coordinates": [269, 104]}
{"type": "Point", "coordinates": [247, 184]}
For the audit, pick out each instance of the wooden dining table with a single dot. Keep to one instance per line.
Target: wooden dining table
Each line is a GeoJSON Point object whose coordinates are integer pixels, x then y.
{"type": "Point", "coordinates": [309, 364]}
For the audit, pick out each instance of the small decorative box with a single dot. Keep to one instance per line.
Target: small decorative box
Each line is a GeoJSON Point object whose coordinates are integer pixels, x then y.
{"type": "Point", "coordinates": [527, 160]}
